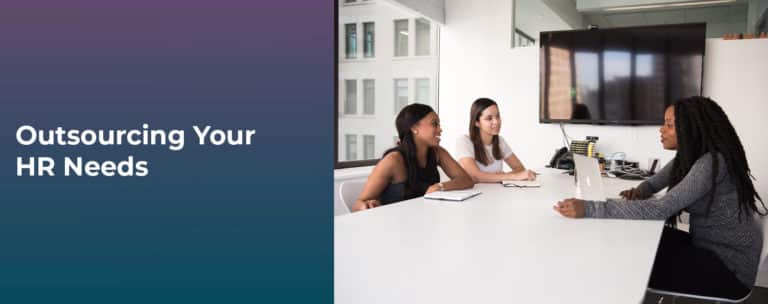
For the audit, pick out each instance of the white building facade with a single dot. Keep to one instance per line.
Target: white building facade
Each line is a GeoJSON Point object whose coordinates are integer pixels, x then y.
{"type": "Point", "coordinates": [387, 58]}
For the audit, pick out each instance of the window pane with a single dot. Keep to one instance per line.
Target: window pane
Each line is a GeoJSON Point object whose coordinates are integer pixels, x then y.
{"type": "Point", "coordinates": [422, 90]}
{"type": "Point", "coordinates": [422, 37]}
{"type": "Point", "coordinates": [401, 94]}
{"type": "Point", "coordinates": [350, 35]}
{"type": "Point", "coordinates": [369, 143]}
{"type": "Point", "coordinates": [369, 96]}
{"type": "Point", "coordinates": [351, 147]}
{"type": "Point", "coordinates": [368, 47]}
{"type": "Point", "coordinates": [350, 103]}
{"type": "Point", "coordinates": [401, 37]}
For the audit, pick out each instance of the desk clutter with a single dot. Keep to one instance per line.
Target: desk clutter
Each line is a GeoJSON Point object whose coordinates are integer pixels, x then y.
{"type": "Point", "coordinates": [615, 165]}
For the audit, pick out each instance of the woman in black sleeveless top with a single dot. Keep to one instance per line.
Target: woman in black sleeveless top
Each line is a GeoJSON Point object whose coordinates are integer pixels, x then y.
{"type": "Point", "coordinates": [409, 170]}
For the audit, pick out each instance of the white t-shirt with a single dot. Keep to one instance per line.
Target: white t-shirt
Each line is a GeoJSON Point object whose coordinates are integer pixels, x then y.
{"type": "Point", "coordinates": [465, 148]}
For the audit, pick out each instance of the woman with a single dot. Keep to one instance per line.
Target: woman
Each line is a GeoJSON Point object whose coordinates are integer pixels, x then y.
{"type": "Point", "coordinates": [708, 178]}
{"type": "Point", "coordinates": [483, 152]}
{"type": "Point", "coordinates": [409, 170]}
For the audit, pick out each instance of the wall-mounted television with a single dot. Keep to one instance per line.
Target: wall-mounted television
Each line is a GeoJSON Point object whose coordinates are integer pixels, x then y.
{"type": "Point", "coordinates": [619, 76]}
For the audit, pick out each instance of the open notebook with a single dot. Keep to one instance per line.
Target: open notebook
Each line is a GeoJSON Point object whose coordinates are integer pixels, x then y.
{"type": "Point", "coordinates": [455, 195]}
{"type": "Point", "coordinates": [521, 184]}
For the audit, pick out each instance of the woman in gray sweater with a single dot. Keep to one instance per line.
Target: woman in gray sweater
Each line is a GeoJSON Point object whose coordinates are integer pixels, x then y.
{"type": "Point", "coordinates": [710, 179]}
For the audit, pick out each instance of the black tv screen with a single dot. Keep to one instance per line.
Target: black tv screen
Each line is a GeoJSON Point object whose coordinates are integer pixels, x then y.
{"type": "Point", "coordinates": [624, 76]}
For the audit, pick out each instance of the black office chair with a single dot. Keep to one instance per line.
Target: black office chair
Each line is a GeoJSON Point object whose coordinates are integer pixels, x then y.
{"type": "Point", "coordinates": [675, 295]}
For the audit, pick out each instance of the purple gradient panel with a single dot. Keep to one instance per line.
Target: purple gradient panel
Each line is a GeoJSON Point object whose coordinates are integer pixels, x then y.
{"type": "Point", "coordinates": [209, 224]}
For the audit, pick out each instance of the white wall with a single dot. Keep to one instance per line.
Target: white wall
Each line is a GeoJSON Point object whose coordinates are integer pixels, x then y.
{"type": "Point", "coordinates": [473, 65]}
{"type": "Point", "coordinates": [734, 75]}
{"type": "Point", "coordinates": [475, 61]}
{"type": "Point", "coordinates": [511, 77]}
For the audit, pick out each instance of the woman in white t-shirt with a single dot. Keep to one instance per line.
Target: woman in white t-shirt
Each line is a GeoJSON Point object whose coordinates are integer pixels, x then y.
{"type": "Point", "coordinates": [483, 152]}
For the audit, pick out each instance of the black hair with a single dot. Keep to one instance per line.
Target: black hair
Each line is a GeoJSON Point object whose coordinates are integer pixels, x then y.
{"type": "Point", "coordinates": [703, 127]}
{"type": "Point", "coordinates": [409, 116]}
{"type": "Point", "coordinates": [474, 132]}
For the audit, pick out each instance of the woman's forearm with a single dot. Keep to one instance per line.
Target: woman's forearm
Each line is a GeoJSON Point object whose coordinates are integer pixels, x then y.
{"type": "Point", "coordinates": [458, 183]}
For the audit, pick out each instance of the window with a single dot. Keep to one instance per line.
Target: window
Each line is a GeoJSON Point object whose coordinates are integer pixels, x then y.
{"type": "Point", "coordinates": [422, 90]}
{"type": "Point", "coordinates": [371, 85]}
{"type": "Point", "coordinates": [401, 94]}
{"type": "Point", "coordinates": [369, 96]}
{"type": "Point", "coordinates": [350, 102]}
{"type": "Point", "coordinates": [422, 37]}
{"type": "Point", "coordinates": [350, 35]}
{"type": "Point", "coordinates": [351, 147]}
{"type": "Point", "coordinates": [369, 38]}
{"type": "Point", "coordinates": [369, 144]}
{"type": "Point", "coordinates": [401, 37]}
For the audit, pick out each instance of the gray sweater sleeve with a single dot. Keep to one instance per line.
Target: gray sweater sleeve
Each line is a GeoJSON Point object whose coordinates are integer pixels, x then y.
{"type": "Point", "coordinates": [695, 185]}
{"type": "Point", "coordinates": [655, 183]}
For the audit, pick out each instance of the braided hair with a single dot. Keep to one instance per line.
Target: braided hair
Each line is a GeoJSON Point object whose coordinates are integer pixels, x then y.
{"type": "Point", "coordinates": [702, 127]}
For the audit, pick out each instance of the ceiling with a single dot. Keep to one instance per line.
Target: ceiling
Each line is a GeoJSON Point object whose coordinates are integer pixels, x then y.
{"type": "Point", "coordinates": [721, 18]}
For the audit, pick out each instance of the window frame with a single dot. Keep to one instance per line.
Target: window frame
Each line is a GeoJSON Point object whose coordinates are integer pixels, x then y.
{"type": "Point", "coordinates": [395, 46]}
{"type": "Point", "coordinates": [365, 37]}
{"type": "Point", "coordinates": [365, 100]}
{"type": "Point", "coordinates": [416, 37]}
{"type": "Point", "coordinates": [365, 145]}
{"type": "Point", "coordinates": [354, 100]}
{"type": "Point", "coordinates": [347, 143]}
{"type": "Point", "coordinates": [347, 41]}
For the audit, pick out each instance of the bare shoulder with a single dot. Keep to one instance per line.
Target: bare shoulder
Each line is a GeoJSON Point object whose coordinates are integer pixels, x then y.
{"type": "Point", "coordinates": [392, 165]}
{"type": "Point", "coordinates": [391, 161]}
{"type": "Point", "coordinates": [441, 152]}
{"type": "Point", "coordinates": [394, 157]}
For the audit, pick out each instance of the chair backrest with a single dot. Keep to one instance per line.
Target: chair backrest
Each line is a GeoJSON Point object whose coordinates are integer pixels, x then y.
{"type": "Point", "coordinates": [339, 207]}
{"type": "Point", "coordinates": [349, 191]}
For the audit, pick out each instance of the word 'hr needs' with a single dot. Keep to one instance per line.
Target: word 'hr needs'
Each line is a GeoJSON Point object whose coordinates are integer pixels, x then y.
{"type": "Point", "coordinates": [44, 166]}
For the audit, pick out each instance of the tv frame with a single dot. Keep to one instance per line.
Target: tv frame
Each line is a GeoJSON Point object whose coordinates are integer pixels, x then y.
{"type": "Point", "coordinates": [614, 122]}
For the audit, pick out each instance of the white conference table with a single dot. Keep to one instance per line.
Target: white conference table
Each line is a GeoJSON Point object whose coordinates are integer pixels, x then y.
{"type": "Point", "coordinates": [506, 245]}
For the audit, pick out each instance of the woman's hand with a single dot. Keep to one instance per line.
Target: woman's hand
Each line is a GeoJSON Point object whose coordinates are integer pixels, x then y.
{"type": "Point", "coordinates": [571, 207]}
{"type": "Point", "coordinates": [367, 204]}
{"type": "Point", "coordinates": [526, 175]}
{"type": "Point", "coordinates": [630, 194]}
{"type": "Point", "coordinates": [433, 188]}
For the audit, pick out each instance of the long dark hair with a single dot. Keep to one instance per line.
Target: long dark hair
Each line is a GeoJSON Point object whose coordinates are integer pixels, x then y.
{"type": "Point", "coordinates": [409, 116]}
{"type": "Point", "coordinates": [474, 132]}
{"type": "Point", "coordinates": [702, 127]}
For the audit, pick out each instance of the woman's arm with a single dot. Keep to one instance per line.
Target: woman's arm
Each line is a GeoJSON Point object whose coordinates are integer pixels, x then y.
{"type": "Point", "coordinates": [459, 178]}
{"type": "Point", "coordinates": [695, 185]}
{"type": "Point", "coordinates": [377, 181]}
{"type": "Point", "coordinates": [518, 170]}
{"type": "Point", "coordinates": [483, 177]}
{"type": "Point", "coordinates": [653, 184]}
{"type": "Point", "coordinates": [514, 163]}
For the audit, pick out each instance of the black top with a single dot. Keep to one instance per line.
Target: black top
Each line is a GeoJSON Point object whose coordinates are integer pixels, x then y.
{"type": "Point", "coordinates": [425, 177]}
